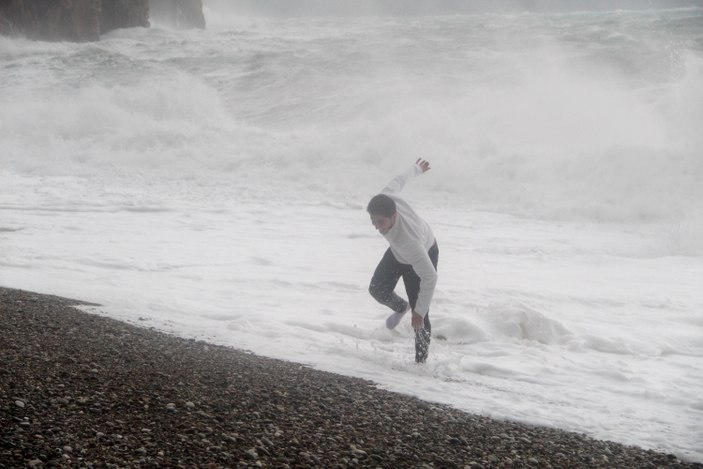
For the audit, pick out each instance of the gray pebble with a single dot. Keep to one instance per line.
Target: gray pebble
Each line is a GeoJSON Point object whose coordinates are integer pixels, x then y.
{"type": "Point", "coordinates": [360, 453]}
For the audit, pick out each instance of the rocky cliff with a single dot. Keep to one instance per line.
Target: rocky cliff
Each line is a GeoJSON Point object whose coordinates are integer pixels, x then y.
{"type": "Point", "coordinates": [86, 20]}
{"type": "Point", "coordinates": [72, 20]}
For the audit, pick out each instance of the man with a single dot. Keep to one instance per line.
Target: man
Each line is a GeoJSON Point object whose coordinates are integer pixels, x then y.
{"type": "Point", "coordinates": [413, 255]}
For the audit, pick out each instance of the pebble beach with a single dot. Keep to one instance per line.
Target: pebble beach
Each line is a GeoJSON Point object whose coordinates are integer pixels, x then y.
{"type": "Point", "coordinates": [83, 390]}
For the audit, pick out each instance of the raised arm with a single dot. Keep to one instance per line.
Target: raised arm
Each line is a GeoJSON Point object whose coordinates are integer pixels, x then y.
{"type": "Point", "coordinates": [397, 183]}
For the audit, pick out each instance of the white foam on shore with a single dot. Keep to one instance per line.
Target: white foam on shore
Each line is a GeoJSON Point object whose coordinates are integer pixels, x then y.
{"type": "Point", "coordinates": [582, 338]}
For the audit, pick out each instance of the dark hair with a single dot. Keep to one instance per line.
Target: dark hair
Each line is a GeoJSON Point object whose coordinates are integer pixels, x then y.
{"type": "Point", "coordinates": [382, 205]}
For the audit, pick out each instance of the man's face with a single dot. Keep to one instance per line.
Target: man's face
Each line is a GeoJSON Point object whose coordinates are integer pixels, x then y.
{"type": "Point", "coordinates": [383, 224]}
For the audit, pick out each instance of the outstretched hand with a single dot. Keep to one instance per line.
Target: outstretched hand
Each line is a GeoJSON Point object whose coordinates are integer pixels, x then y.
{"type": "Point", "coordinates": [423, 164]}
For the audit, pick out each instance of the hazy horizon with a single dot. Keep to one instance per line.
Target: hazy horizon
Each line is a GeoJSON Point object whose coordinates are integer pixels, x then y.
{"type": "Point", "coordinates": [427, 7]}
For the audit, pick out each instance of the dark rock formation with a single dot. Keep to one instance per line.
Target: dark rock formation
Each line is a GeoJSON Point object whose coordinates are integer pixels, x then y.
{"type": "Point", "coordinates": [179, 13]}
{"type": "Point", "coordinates": [70, 20]}
{"type": "Point", "coordinates": [124, 14]}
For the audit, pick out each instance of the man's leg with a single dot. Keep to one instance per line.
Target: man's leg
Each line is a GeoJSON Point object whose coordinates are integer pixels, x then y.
{"type": "Point", "coordinates": [384, 280]}
{"type": "Point", "coordinates": [423, 336]}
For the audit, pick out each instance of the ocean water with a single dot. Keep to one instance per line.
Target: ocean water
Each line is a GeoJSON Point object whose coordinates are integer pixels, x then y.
{"type": "Point", "coordinates": [212, 184]}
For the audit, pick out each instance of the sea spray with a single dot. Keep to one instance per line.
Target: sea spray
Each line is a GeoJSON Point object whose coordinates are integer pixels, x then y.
{"type": "Point", "coordinates": [579, 116]}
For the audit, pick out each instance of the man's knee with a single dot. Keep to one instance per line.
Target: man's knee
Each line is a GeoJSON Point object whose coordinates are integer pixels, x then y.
{"type": "Point", "coordinates": [375, 290]}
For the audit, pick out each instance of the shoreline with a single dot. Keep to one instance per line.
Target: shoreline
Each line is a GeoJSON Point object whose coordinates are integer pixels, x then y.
{"type": "Point", "coordinates": [83, 390]}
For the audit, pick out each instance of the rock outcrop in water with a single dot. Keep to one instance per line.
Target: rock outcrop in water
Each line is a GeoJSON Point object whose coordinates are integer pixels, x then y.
{"type": "Point", "coordinates": [86, 20]}
{"type": "Point", "coordinates": [117, 14]}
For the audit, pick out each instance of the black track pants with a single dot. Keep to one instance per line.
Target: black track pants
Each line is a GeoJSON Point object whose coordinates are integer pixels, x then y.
{"type": "Point", "coordinates": [382, 287]}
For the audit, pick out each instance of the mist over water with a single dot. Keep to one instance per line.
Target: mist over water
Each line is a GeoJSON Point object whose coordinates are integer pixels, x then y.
{"type": "Point", "coordinates": [301, 8]}
{"type": "Point", "coordinates": [585, 115]}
